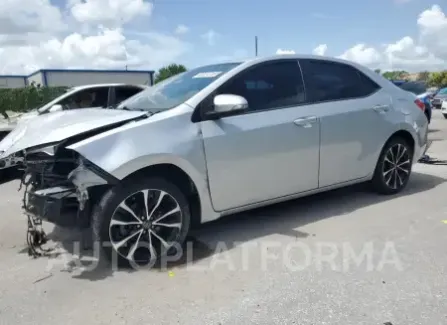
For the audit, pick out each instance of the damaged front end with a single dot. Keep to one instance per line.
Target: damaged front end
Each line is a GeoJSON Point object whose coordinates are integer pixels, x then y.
{"type": "Point", "coordinates": [61, 187]}
{"type": "Point", "coordinates": [60, 184]}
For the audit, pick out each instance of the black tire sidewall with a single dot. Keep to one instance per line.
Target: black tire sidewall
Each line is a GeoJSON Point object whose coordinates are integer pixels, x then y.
{"type": "Point", "coordinates": [378, 181]}
{"type": "Point", "coordinates": [445, 116]}
{"type": "Point", "coordinates": [104, 210]}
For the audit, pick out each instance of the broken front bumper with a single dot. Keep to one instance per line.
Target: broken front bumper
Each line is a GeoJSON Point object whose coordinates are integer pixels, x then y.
{"type": "Point", "coordinates": [57, 205]}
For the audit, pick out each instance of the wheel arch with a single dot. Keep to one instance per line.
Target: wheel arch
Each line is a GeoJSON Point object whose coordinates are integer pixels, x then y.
{"type": "Point", "coordinates": [404, 134]}
{"type": "Point", "coordinates": [181, 179]}
{"type": "Point", "coordinates": [189, 178]}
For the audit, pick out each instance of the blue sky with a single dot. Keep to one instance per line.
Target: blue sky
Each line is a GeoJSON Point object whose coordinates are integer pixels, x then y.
{"type": "Point", "coordinates": [297, 25]}
{"type": "Point", "coordinates": [111, 34]}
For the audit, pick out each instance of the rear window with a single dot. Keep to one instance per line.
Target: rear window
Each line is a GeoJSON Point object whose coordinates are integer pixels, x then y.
{"type": "Point", "coordinates": [414, 87]}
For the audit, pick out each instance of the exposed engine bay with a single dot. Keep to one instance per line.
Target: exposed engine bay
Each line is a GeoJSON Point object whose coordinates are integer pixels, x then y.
{"type": "Point", "coordinates": [61, 187]}
{"type": "Point", "coordinates": [54, 192]}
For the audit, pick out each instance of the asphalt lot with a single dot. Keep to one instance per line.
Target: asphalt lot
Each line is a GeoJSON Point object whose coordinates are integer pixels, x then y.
{"type": "Point", "coordinates": [272, 271]}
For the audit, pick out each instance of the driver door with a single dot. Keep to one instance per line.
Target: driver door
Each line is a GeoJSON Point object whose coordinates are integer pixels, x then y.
{"type": "Point", "coordinates": [268, 152]}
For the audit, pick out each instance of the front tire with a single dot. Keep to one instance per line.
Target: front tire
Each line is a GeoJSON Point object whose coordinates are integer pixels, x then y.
{"type": "Point", "coordinates": [141, 220]}
{"type": "Point", "coordinates": [393, 168]}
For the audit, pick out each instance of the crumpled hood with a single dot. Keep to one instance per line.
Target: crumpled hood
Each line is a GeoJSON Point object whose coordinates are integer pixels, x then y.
{"type": "Point", "coordinates": [58, 126]}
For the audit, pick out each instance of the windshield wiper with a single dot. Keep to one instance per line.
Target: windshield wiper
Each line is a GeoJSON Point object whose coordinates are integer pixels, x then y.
{"type": "Point", "coordinates": [150, 113]}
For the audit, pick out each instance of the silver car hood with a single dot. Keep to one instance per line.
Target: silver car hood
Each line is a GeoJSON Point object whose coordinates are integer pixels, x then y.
{"type": "Point", "coordinates": [58, 126]}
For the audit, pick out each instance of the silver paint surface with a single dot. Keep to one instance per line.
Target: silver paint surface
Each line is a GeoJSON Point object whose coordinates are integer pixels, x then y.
{"type": "Point", "coordinates": [250, 160]}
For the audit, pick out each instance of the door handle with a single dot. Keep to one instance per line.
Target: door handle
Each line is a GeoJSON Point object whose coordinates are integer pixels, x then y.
{"type": "Point", "coordinates": [305, 122]}
{"type": "Point", "coordinates": [381, 108]}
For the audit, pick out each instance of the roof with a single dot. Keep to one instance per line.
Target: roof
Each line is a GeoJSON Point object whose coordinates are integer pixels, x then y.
{"type": "Point", "coordinates": [107, 85]}
{"type": "Point", "coordinates": [78, 70]}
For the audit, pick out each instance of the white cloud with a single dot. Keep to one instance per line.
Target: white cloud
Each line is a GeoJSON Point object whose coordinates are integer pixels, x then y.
{"type": "Point", "coordinates": [110, 13]}
{"type": "Point", "coordinates": [281, 51]}
{"type": "Point", "coordinates": [33, 35]}
{"type": "Point", "coordinates": [181, 29]}
{"type": "Point", "coordinates": [320, 49]}
{"type": "Point", "coordinates": [427, 51]}
{"type": "Point", "coordinates": [210, 37]}
{"type": "Point", "coordinates": [24, 16]}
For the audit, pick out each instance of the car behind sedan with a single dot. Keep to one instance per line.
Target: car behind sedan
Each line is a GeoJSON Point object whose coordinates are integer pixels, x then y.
{"type": "Point", "coordinates": [440, 96]}
{"type": "Point", "coordinates": [213, 141]}
{"type": "Point", "coordinates": [420, 89]}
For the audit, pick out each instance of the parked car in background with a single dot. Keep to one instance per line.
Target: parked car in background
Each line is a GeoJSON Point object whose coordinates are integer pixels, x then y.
{"type": "Point", "coordinates": [94, 95]}
{"type": "Point", "coordinates": [216, 140]}
{"type": "Point", "coordinates": [86, 96]}
{"type": "Point", "coordinates": [444, 108]}
{"type": "Point", "coordinates": [421, 91]}
{"type": "Point", "coordinates": [439, 97]}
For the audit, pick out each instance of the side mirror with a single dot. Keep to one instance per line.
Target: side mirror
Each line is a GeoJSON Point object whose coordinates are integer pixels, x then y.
{"type": "Point", "coordinates": [56, 108]}
{"type": "Point", "coordinates": [227, 105]}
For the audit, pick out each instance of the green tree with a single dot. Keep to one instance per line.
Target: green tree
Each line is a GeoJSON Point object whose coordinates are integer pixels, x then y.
{"type": "Point", "coordinates": [169, 71]}
{"type": "Point", "coordinates": [438, 79]}
{"type": "Point", "coordinates": [424, 76]}
{"type": "Point", "coordinates": [378, 71]}
{"type": "Point", "coordinates": [396, 75]}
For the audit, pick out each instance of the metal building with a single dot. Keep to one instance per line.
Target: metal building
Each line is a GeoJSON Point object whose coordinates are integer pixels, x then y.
{"type": "Point", "coordinates": [11, 81]}
{"type": "Point", "coordinates": [70, 77]}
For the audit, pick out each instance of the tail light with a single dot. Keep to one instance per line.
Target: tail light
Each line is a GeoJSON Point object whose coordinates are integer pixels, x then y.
{"type": "Point", "coordinates": [420, 104]}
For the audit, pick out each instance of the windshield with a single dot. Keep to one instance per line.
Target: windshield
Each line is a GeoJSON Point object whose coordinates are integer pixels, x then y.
{"type": "Point", "coordinates": [414, 87]}
{"type": "Point", "coordinates": [177, 89]}
{"type": "Point", "coordinates": [443, 91]}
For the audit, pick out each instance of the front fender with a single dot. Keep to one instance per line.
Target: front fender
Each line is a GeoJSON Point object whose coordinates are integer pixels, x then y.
{"type": "Point", "coordinates": [127, 149]}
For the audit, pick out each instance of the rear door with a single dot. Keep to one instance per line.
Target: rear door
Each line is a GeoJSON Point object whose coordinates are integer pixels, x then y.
{"type": "Point", "coordinates": [354, 115]}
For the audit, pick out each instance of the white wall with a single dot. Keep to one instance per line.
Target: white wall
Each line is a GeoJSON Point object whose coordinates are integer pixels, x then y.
{"type": "Point", "coordinates": [12, 82]}
{"type": "Point", "coordinates": [70, 78]}
{"type": "Point", "coordinates": [37, 78]}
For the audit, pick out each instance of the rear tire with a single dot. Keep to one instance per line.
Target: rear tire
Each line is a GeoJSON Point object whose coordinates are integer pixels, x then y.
{"type": "Point", "coordinates": [141, 220]}
{"type": "Point", "coordinates": [393, 168]}
{"type": "Point", "coordinates": [445, 116]}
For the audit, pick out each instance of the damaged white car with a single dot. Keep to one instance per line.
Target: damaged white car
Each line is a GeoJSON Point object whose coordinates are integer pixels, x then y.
{"type": "Point", "coordinates": [213, 141]}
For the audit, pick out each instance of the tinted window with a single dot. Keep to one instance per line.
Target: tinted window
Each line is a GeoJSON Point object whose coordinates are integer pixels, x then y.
{"type": "Point", "coordinates": [414, 87]}
{"type": "Point", "coordinates": [122, 93]}
{"type": "Point", "coordinates": [326, 81]}
{"type": "Point", "coordinates": [269, 85]}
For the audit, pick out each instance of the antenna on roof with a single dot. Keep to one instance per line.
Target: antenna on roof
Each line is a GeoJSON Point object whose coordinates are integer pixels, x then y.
{"type": "Point", "coordinates": [256, 45]}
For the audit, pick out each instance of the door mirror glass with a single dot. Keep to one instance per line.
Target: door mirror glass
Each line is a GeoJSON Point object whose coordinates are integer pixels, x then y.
{"type": "Point", "coordinates": [228, 104]}
{"type": "Point", "coordinates": [56, 108]}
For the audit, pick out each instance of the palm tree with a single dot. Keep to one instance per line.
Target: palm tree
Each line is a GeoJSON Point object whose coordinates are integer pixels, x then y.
{"type": "Point", "coordinates": [169, 71]}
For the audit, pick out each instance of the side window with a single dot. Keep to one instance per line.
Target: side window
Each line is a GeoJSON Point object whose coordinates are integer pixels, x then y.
{"type": "Point", "coordinates": [328, 81]}
{"type": "Point", "coordinates": [92, 97]}
{"type": "Point", "coordinates": [270, 85]}
{"type": "Point", "coordinates": [122, 93]}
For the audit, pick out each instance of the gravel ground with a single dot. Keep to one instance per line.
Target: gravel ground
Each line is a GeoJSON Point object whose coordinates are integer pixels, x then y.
{"type": "Point", "coordinates": [293, 263]}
